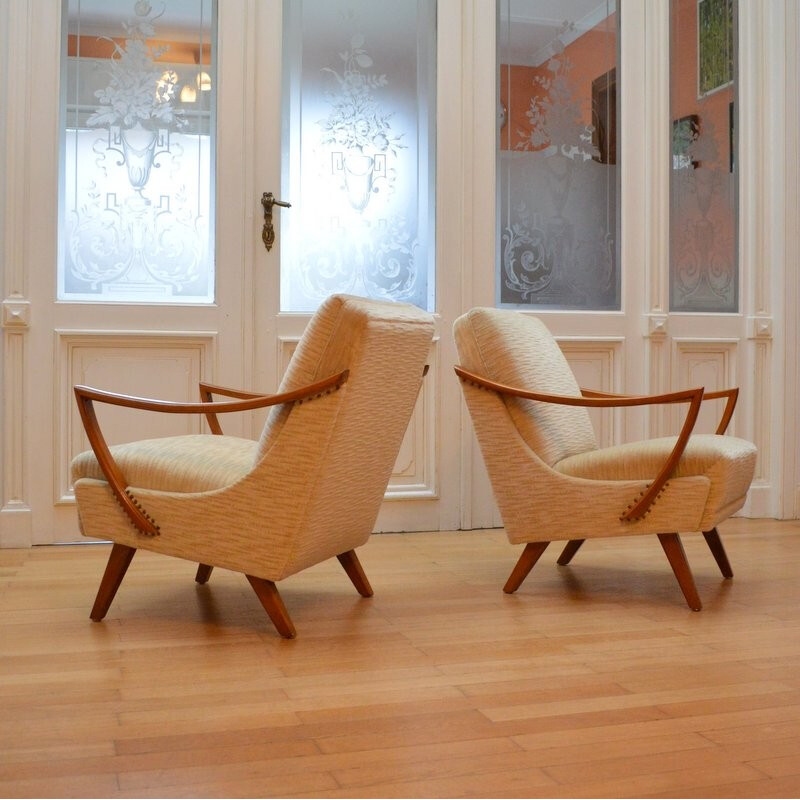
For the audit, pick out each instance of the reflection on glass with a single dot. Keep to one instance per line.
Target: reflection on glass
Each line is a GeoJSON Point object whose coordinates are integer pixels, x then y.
{"type": "Point", "coordinates": [704, 217]}
{"type": "Point", "coordinates": [358, 151]}
{"type": "Point", "coordinates": [136, 171]}
{"type": "Point", "coordinates": [557, 166]}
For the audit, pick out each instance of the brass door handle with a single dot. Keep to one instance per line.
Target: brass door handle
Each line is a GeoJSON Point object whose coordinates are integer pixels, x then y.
{"type": "Point", "coordinates": [268, 231]}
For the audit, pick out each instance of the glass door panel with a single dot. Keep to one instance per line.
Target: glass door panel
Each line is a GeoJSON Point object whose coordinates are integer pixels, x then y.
{"type": "Point", "coordinates": [359, 145]}
{"type": "Point", "coordinates": [704, 272]}
{"type": "Point", "coordinates": [137, 165]}
{"type": "Point", "coordinates": [558, 181]}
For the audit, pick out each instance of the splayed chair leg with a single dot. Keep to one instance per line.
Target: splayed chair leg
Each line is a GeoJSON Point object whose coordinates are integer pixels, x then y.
{"type": "Point", "coordinates": [117, 566]}
{"type": "Point", "coordinates": [530, 555]}
{"type": "Point", "coordinates": [673, 547]}
{"type": "Point", "coordinates": [352, 566]}
{"type": "Point", "coordinates": [718, 551]}
{"type": "Point", "coordinates": [572, 547]}
{"type": "Point", "coordinates": [268, 595]}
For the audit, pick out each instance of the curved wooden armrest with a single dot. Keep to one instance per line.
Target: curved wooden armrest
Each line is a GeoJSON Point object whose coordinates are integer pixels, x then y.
{"type": "Point", "coordinates": [207, 392]}
{"type": "Point", "coordinates": [209, 389]}
{"type": "Point", "coordinates": [727, 413]}
{"type": "Point", "coordinates": [116, 480]}
{"type": "Point", "coordinates": [594, 400]}
{"type": "Point", "coordinates": [692, 396]}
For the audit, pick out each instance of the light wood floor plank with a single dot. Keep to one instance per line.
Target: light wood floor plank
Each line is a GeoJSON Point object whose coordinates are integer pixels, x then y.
{"type": "Point", "coordinates": [592, 680]}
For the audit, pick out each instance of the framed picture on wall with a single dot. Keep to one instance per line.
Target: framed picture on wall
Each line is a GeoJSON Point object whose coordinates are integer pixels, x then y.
{"type": "Point", "coordinates": [684, 133]}
{"type": "Point", "coordinates": [604, 117]}
{"type": "Point", "coordinates": [714, 45]}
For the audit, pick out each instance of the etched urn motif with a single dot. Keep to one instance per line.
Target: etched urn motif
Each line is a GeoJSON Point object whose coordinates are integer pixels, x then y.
{"type": "Point", "coordinates": [138, 148]}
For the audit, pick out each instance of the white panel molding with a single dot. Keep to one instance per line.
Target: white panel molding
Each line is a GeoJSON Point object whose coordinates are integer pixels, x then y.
{"type": "Point", "coordinates": [761, 394]}
{"type": "Point", "coordinates": [469, 103]}
{"type": "Point", "coordinates": [790, 505]}
{"type": "Point", "coordinates": [706, 362]}
{"type": "Point", "coordinates": [286, 347]}
{"type": "Point", "coordinates": [77, 350]}
{"type": "Point", "coordinates": [16, 314]}
{"type": "Point", "coordinates": [15, 515]}
{"type": "Point", "coordinates": [759, 327]}
{"type": "Point", "coordinates": [656, 171]}
{"type": "Point", "coordinates": [597, 364]}
{"type": "Point", "coordinates": [657, 369]}
{"type": "Point", "coordinates": [414, 475]}
{"type": "Point", "coordinates": [15, 512]}
{"type": "Point", "coordinates": [765, 231]}
{"type": "Point", "coordinates": [657, 325]}
{"type": "Point", "coordinates": [15, 157]}
{"type": "Point", "coordinates": [657, 365]}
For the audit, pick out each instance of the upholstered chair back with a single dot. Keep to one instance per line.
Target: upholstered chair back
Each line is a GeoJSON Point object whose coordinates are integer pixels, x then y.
{"type": "Point", "coordinates": [338, 451]}
{"type": "Point", "coordinates": [518, 350]}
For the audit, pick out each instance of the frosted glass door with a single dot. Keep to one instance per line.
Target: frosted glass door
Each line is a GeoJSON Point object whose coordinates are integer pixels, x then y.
{"type": "Point", "coordinates": [137, 165]}
{"type": "Point", "coordinates": [359, 144]}
{"type": "Point", "coordinates": [704, 225]}
{"type": "Point", "coordinates": [558, 152]}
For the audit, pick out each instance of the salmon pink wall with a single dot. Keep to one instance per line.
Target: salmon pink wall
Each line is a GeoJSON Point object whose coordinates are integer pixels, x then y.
{"type": "Point", "coordinates": [711, 110]}
{"type": "Point", "coordinates": [591, 55]}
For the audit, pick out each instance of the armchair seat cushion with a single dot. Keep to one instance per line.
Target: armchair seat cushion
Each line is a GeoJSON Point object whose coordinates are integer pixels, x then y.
{"type": "Point", "coordinates": [726, 461]}
{"type": "Point", "coordinates": [183, 464]}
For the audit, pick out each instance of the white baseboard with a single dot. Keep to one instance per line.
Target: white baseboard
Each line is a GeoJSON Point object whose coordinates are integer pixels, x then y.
{"type": "Point", "coordinates": [16, 526]}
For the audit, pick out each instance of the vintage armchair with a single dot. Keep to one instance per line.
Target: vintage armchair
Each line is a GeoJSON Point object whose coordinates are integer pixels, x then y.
{"type": "Point", "coordinates": [310, 489]}
{"type": "Point", "coordinates": [550, 479]}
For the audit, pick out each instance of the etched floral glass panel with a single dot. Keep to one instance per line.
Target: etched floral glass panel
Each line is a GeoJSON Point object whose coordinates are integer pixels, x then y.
{"type": "Point", "coordinates": [358, 159]}
{"type": "Point", "coordinates": [558, 148]}
{"type": "Point", "coordinates": [137, 162]}
{"type": "Point", "coordinates": [704, 273]}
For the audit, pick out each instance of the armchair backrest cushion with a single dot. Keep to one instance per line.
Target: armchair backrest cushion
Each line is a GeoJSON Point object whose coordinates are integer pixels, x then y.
{"type": "Point", "coordinates": [339, 450]}
{"type": "Point", "coordinates": [517, 349]}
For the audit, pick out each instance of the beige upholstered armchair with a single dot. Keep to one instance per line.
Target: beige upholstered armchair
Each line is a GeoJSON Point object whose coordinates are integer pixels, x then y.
{"type": "Point", "coordinates": [309, 490]}
{"type": "Point", "coordinates": [549, 477]}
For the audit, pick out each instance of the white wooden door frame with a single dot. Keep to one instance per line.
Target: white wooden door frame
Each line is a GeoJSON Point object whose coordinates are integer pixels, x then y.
{"type": "Point", "coordinates": [249, 128]}
{"type": "Point", "coordinates": [41, 336]}
{"type": "Point", "coordinates": [424, 494]}
{"type": "Point", "coordinates": [770, 244]}
{"type": "Point", "coordinates": [790, 507]}
{"type": "Point", "coordinates": [766, 328]}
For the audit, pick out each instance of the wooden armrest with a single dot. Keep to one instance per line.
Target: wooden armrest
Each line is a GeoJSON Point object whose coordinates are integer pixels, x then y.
{"type": "Point", "coordinates": [116, 480]}
{"type": "Point", "coordinates": [692, 396]}
{"type": "Point", "coordinates": [208, 390]}
{"type": "Point", "coordinates": [594, 400]}
{"type": "Point", "coordinates": [727, 413]}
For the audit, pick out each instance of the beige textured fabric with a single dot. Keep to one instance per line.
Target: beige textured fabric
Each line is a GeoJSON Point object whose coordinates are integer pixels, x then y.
{"type": "Point", "coordinates": [539, 504]}
{"type": "Point", "coordinates": [326, 346]}
{"type": "Point", "coordinates": [176, 463]}
{"type": "Point", "coordinates": [317, 486]}
{"type": "Point", "coordinates": [583, 493]}
{"type": "Point", "coordinates": [518, 350]}
{"type": "Point", "coordinates": [726, 461]}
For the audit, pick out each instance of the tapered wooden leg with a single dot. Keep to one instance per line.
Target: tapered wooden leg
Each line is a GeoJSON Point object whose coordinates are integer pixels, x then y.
{"type": "Point", "coordinates": [530, 555]}
{"type": "Point", "coordinates": [203, 573]}
{"type": "Point", "coordinates": [268, 595]}
{"type": "Point", "coordinates": [117, 566]}
{"type": "Point", "coordinates": [673, 547]}
{"type": "Point", "coordinates": [572, 547]}
{"type": "Point", "coordinates": [718, 551]}
{"type": "Point", "coordinates": [352, 566]}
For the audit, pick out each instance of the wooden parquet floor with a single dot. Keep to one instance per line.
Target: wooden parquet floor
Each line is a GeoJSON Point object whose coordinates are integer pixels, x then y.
{"type": "Point", "coordinates": [593, 680]}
